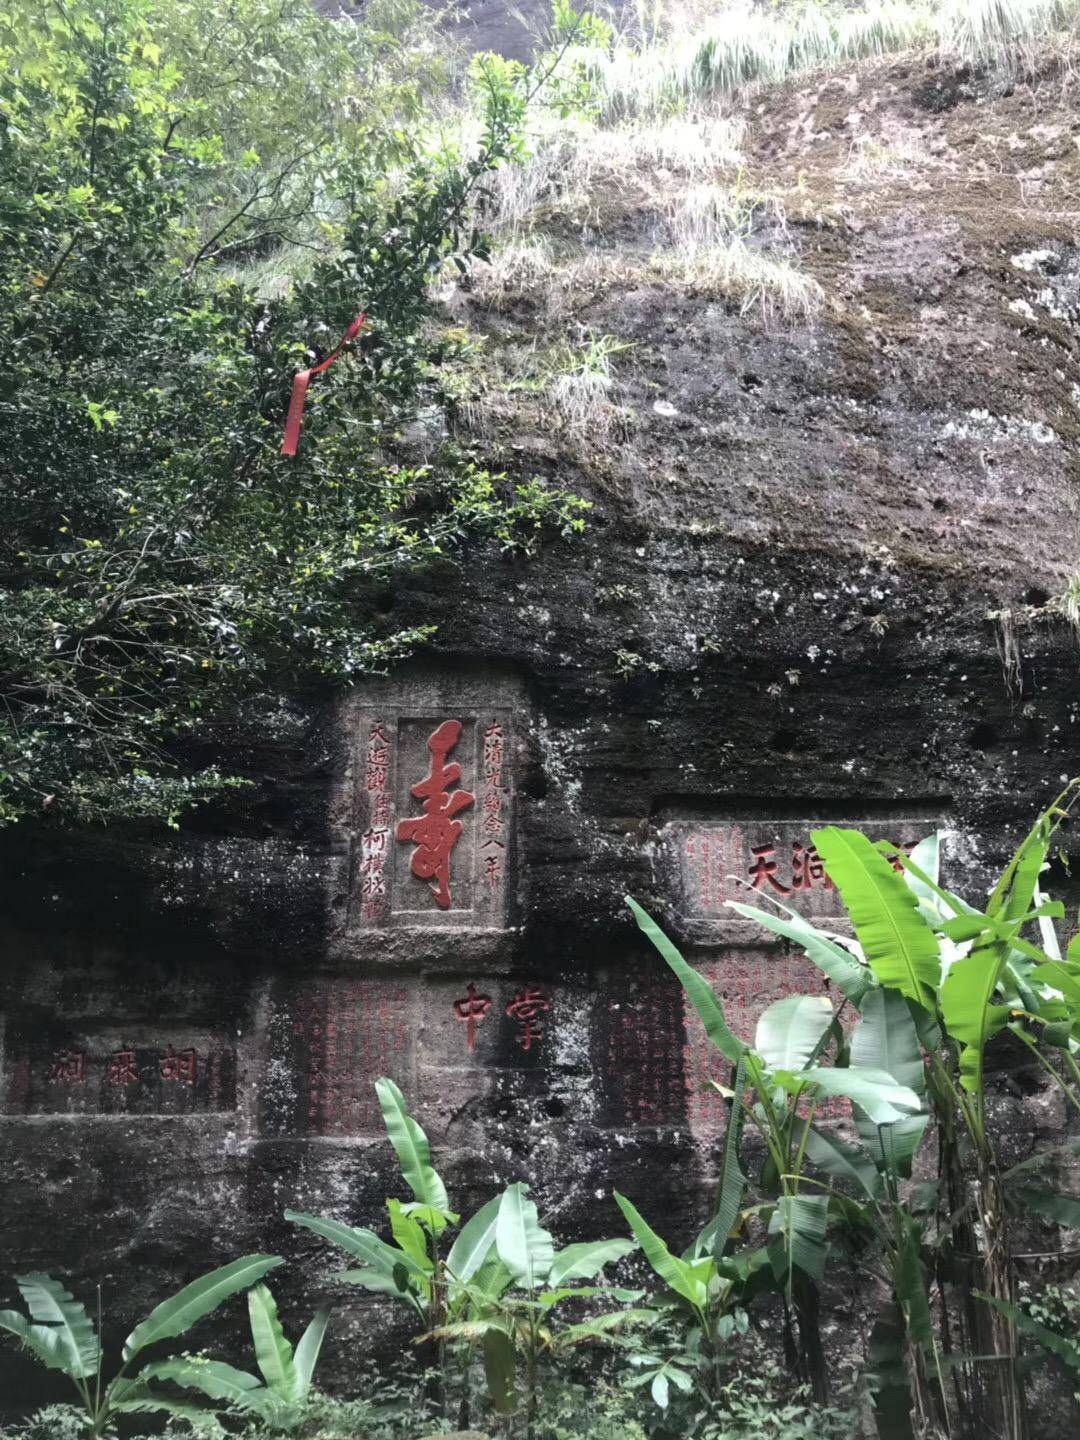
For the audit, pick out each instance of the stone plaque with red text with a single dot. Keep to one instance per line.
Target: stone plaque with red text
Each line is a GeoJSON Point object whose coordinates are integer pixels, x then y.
{"type": "Point", "coordinates": [433, 818]}
{"type": "Point", "coordinates": [117, 1072]}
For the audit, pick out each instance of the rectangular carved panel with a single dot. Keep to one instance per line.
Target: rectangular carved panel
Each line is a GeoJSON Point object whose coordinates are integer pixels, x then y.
{"type": "Point", "coordinates": [330, 1039]}
{"type": "Point", "coordinates": [433, 818]}
{"type": "Point", "coordinates": [713, 862]}
{"type": "Point", "coordinates": [57, 1071]}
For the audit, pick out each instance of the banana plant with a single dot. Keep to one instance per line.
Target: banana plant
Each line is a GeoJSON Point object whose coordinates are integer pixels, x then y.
{"type": "Point", "coordinates": [60, 1334]}
{"type": "Point", "coordinates": [784, 1071]}
{"type": "Point", "coordinates": [965, 975]}
{"type": "Point", "coordinates": [524, 1280]}
{"type": "Point", "coordinates": [280, 1400]}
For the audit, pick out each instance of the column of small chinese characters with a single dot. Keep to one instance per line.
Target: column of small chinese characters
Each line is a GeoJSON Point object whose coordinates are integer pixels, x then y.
{"type": "Point", "coordinates": [493, 844]}
{"type": "Point", "coordinates": [376, 838]}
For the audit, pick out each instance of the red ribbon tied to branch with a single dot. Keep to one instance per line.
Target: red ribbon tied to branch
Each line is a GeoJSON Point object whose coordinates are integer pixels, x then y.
{"type": "Point", "coordinates": [302, 379]}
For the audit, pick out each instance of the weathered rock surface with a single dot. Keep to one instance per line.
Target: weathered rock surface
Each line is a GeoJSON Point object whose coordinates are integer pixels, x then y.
{"type": "Point", "coordinates": [778, 617]}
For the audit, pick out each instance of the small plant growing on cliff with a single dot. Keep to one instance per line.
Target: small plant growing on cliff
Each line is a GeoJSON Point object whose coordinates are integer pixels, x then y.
{"type": "Point", "coordinates": [280, 1401]}
{"type": "Point", "coordinates": [60, 1334]}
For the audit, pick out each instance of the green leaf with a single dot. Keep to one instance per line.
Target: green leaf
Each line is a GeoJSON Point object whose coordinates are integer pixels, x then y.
{"type": "Point", "coordinates": [1068, 1350]}
{"type": "Point", "coordinates": [50, 1304]}
{"type": "Point", "coordinates": [474, 1241]}
{"type": "Point", "coordinates": [888, 1374]}
{"type": "Point", "coordinates": [411, 1145]}
{"type": "Point", "coordinates": [852, 978]}
{"type": "Point", "coordinates": [699, 990]}
{"type": "Point", "coordinates": [899, 946]}
{"type": "Point", "coordinates": [886, 1039]}
{"type": "Point", "coordinates": [273, 1353]}
{"type": "Point", "coordinates": [307, 1353]}
{"type": "Point", "coordinates": [1064, 1209]}
{"type": "Point", "coordinates": [365, 1245]}
{"type": "Point", "coordinates": [524, 1247]}
{"type": "Point", "coordinates": [910, 1279]}
{"type": "Point", "coordinates": [659, 1389]}
{"type": "Point", "coordinates": [714, 1238]}
{"type": "Point", "coordinates": [678, 1275]}
{"type": "Point", "coordinates": [408, 1234]}
{"type": "Point", "coordinates": [46, 1342]}
{"type": "Point", "coordinates": [791, 1029]}
{"type": "Point", "coordinates": [213, 1378]}
{"type": "Point", "coordinates": [380, 1283]}
{"type": "Point", "coordinates": [585, 1260]}
{"type": "Point", "coordinates": [500, 1363]}
{"type": "Point", "coordinates": [177, 1314]}
{"type": "Point", "coordinates": [843, 1162]}
{"type": "Point", "coordinates": [802, 1221]}
{"type": "Point", "coordinates": [873, 1091]}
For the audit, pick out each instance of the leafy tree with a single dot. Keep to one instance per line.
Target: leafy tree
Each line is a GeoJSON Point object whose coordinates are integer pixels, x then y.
{"type": "Point", "coordinates": [160, 558]}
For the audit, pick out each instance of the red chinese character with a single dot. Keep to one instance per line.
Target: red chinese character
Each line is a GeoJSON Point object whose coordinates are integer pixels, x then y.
{"type": "Point", "coordinates": [436, 832]}
{"type": "Point", "coordinates": [764, 869]}
{"type": "Point", "coordinates": [183, 1066]}
{"type": "Point", "coordinates": [120, 1068]}
{"type": "Point", "coordinates": [68, 1067]}
{"type": "Point", "coordinates": [472, 1008]}
{"type": "Point", "coordinates": [807, 867]}
{"type": "Point", "coordinates": [493, 871]}
{"type": "Point", "coordinates": [526, 1005]}
{"type": "Point", "coordinates": [493, 747]}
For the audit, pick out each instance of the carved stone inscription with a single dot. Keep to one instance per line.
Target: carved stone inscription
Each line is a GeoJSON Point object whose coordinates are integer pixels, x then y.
{"type": "Point", "coordinates": [721, 861]}
{"type": "Point", "coordinates": [433, 818]}
{"type": "Point", "coordinates": [106, 1072]}
{"type": "Point", "coordinates": [330, 1040]}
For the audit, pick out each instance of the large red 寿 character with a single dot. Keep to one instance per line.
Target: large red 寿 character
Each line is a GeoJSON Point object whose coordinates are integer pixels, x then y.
{"type": "Point", "coordinates": [436, 832]}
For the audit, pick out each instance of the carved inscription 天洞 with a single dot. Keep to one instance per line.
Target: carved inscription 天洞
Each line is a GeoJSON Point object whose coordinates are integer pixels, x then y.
{"type": "Point", "coordinates": [718, 862]}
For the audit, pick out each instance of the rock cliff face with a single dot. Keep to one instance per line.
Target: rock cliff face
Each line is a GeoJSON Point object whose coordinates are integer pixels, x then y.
{"type": "Point", "coordinates": [778, 616]}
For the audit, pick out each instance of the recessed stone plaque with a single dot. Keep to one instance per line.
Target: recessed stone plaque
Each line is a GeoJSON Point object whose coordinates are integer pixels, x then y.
{"type": "Point", "coordinates": [433, 815]}
{"type": "Point", "coordinates": [712, 862]}
{"type": "Point", "coordinates": [109, 1072]}
{"type": "Point", "coordinates": [329, 1040]}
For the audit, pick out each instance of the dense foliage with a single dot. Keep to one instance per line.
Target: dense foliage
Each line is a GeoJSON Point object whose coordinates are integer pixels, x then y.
{"type": "Point", "coordinates": [194, 200]}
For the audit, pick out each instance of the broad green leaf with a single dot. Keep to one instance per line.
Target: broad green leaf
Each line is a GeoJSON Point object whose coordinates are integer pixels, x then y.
{"type": "Point", "coordinates": [714, 1238]}
{"type": "Point", "coordinates": [46, 1342]}
{"type": "Point", "coordinates": [791, 1029]}
{"type": "Point", "coordinates": [843, 1162]}
{"type": "Point", "coordinates": [273, 1353]}
{"type": "Point", "coordinates": [50, 1304]}
{"type": "Point", "coordinates": [853, 979]}
{"type": "Point", "coordinates": [899, 946]}
{"type": "Point", "coordinates": [659, 1389]}
{"type": "Point", "coordinates": [910, 1280]}
{"type": "Point", "coordinates": [408, 1234]}
{"type": "Point", "coordinates": [677, 1274]}
{"type": "Point", "coordinates": [599, 1327]}
{"type": "Point", "coordinates": [365, 1245]}
{"type": "Point", "coordinates": [307, 1353]}
{"type": "Point", "coordinates": [802, 1221]}
{"type": "Point", "coordinates": [584, 1260]}
{"type": "Point", "coordinates": [885, 1039]}
{"type": "Point", "coordinates": [888, 1374]}
{"type": "Point", "coordinates": [873, 1091]}
{"type": "Point", "coordinates": [698, 989]}
{"type": "Point", "coordinates": [177, 1314]}
{"type": "Point", "coordinates": [474, 1241]}
{"type": "Point", "coordinates": [1068, 1350]}
{"type": "Point", "coordinates": [524, 1247]}
{"type": "Point", "coordinates": [1064, 1209]}
{"type": "Point", "coordinates": [411, 1145]}
{"type": "Point", "coordinates": [380, 1283]}
{"type": "Point", "coordinates": [500, 1363]}
{"type": "Point", "coordinates": [967, 1006]}
{"type": "Point", "coordinates": [213, 1378]}
{"type": "Point", "coordinates": [548, 1298]}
